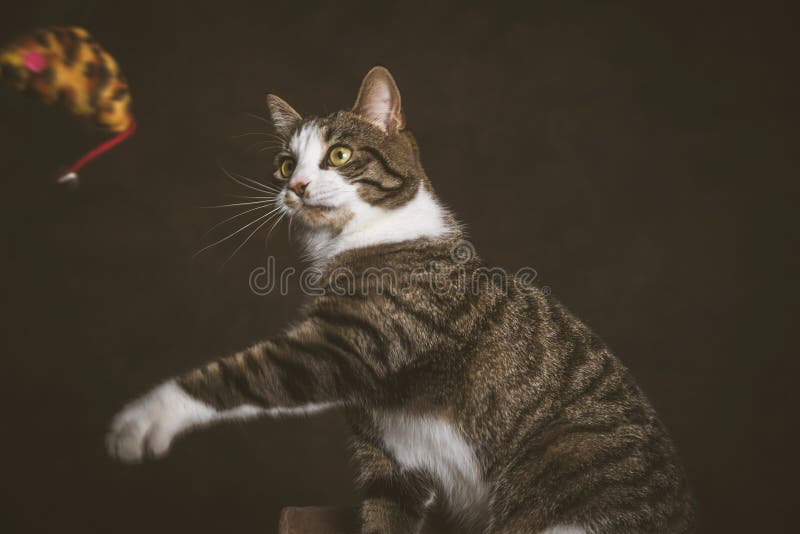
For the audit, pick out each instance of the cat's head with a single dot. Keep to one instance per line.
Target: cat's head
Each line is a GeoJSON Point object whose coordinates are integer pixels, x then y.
{"type": "Point", "coordinates": [354, 178]}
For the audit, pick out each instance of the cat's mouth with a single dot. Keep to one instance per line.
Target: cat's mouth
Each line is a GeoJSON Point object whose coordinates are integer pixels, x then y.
{"type": "Point", "coordinates": [295, 203]}
{"type": "Point", "coordinates": [316, 215]}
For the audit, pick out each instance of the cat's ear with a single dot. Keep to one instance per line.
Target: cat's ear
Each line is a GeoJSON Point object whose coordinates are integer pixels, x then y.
{"type": "Point", "coordinates": [284, 117]}
{"type": "Point", "coordinates": [379, 101]}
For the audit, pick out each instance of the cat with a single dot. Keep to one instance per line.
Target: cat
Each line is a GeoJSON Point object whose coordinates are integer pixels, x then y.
{"type": "Point", "coordinates": [487, 399]}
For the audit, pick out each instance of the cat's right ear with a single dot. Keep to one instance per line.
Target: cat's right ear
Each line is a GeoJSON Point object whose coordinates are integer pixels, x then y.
{"type": "Point", "coordinates": [379, 101]}
{"type": "Point", "coordinates": [284, 117]}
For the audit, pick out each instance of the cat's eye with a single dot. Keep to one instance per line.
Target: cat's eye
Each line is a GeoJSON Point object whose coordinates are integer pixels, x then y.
{"type": "Point", "coordinates": [339, 155]}
{"type": "Point", "coordinates": [287, 167]}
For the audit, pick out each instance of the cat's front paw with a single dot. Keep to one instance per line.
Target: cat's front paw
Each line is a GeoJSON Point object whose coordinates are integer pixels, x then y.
{"type": "Point", "coordinates": [147, 426]}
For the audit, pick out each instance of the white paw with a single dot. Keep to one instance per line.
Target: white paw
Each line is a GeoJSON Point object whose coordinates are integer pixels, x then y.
{"type": "Point", "coordinates": [147, 426]}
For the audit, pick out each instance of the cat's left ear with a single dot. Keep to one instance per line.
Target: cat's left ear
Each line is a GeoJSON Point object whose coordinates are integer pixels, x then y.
{"type": "Point", "coordinates": [379, 101]}
{"type": "Point", "coordinates": [284, 117]}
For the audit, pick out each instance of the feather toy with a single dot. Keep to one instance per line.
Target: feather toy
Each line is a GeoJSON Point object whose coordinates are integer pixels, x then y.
{"type": "Point", "coordinates": [65, 65]}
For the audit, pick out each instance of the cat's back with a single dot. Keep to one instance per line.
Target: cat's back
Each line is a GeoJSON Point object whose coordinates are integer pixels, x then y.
{"type": "Point", "coordinates": [561, 422]}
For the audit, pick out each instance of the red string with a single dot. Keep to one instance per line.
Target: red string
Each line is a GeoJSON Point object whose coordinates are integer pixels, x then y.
{"type": "Point", "coordinates": [108, 145]}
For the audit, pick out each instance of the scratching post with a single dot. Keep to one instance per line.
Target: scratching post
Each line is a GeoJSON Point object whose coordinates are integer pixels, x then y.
{"type": "Point", "coordinates": [318, 520]}
{"type": "Point", "coordinates": [323, 520]}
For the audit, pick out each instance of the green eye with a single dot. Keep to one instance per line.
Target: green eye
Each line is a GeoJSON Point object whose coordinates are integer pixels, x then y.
{"type": "Point", "coordinates": [339, 155]}
{"type": "Point", "coordinates": [287, 167]}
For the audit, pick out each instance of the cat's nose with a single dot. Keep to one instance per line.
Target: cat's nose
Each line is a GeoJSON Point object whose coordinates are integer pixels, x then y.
{"type": "Point", "coordinates": [299, 187]}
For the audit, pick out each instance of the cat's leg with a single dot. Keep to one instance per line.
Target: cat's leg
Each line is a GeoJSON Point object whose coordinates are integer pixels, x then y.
{"type": "Point", "coordinates": [148, 425]}
{"type": "Point", "coordinates": [521, 528]}
{"type": "Point", "coordinates": [591, 479]}
{"type": "Point", "coordinates": [307, 370]}
{"type": "Point", "coordinates": [395, 500]}
{"type": "Point", "coordinates": [526, 498]}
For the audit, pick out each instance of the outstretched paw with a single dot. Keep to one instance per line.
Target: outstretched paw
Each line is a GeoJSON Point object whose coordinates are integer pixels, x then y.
{"type": "Point", "coordinates": [147, 426]}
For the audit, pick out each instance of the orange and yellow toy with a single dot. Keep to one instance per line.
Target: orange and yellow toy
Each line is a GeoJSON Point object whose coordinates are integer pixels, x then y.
{"type": "Point", "coordinates": [67, 66]}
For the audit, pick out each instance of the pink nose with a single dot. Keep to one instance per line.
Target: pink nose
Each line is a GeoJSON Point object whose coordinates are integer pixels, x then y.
{"type": "Point", "coordinates": [299, 187]}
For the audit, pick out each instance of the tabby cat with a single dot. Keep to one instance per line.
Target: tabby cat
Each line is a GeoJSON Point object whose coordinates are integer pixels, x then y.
{"type": "Point", "coordinates": [487, 398]}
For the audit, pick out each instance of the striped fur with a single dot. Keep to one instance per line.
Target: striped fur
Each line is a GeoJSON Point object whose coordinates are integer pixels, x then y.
{"type": "Point", "coordinates": [493, 402]}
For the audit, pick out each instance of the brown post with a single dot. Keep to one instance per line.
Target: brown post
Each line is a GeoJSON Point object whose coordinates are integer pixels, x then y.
{"type": "Point", "coordinates": [318, 520]}
{"type": "Point", "coordinates": [329, 520]}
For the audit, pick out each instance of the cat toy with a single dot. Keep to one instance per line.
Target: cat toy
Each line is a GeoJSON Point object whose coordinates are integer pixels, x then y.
{"type": "Point", "coordinates": [65, 65]}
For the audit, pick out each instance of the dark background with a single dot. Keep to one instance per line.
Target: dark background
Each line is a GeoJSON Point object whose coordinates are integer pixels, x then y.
{"type": "Point", "coordinates": [641, 158]}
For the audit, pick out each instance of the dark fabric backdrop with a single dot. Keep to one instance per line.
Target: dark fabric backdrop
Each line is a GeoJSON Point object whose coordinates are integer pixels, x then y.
{"type": "Point", "coordinates": [642, 159]}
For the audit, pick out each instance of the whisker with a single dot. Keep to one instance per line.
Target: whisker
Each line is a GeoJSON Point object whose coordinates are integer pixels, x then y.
{"type": "Point", "coordinates": [243, 243]}
{"type": "Point", "coordinates": [267, 187]}
{"type": "Point", "coordinates": [234, 204]}
{"type": "Point", "coordinates": [265, 146]}
{"type": "Point", "coordinates": [272, 197]}
{"type": "Point", "coordinates": [235, 217]}
{"type": "Point", "coordinates": [228, 174]}
{"type": "Point", "coordinates": [270, 134]}
{"type": "Point", "coordinates": [256, 183]}
{"type": "Point", "coordinates": [259, 117]}
{"type": "Point", "coordinates": [273, 227]}
{"type": "Point", "coordinates": [243, 228]}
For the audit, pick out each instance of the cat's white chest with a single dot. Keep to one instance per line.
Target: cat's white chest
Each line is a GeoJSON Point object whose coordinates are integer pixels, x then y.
{"type": "Point", "coordinates": [435, 445]}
